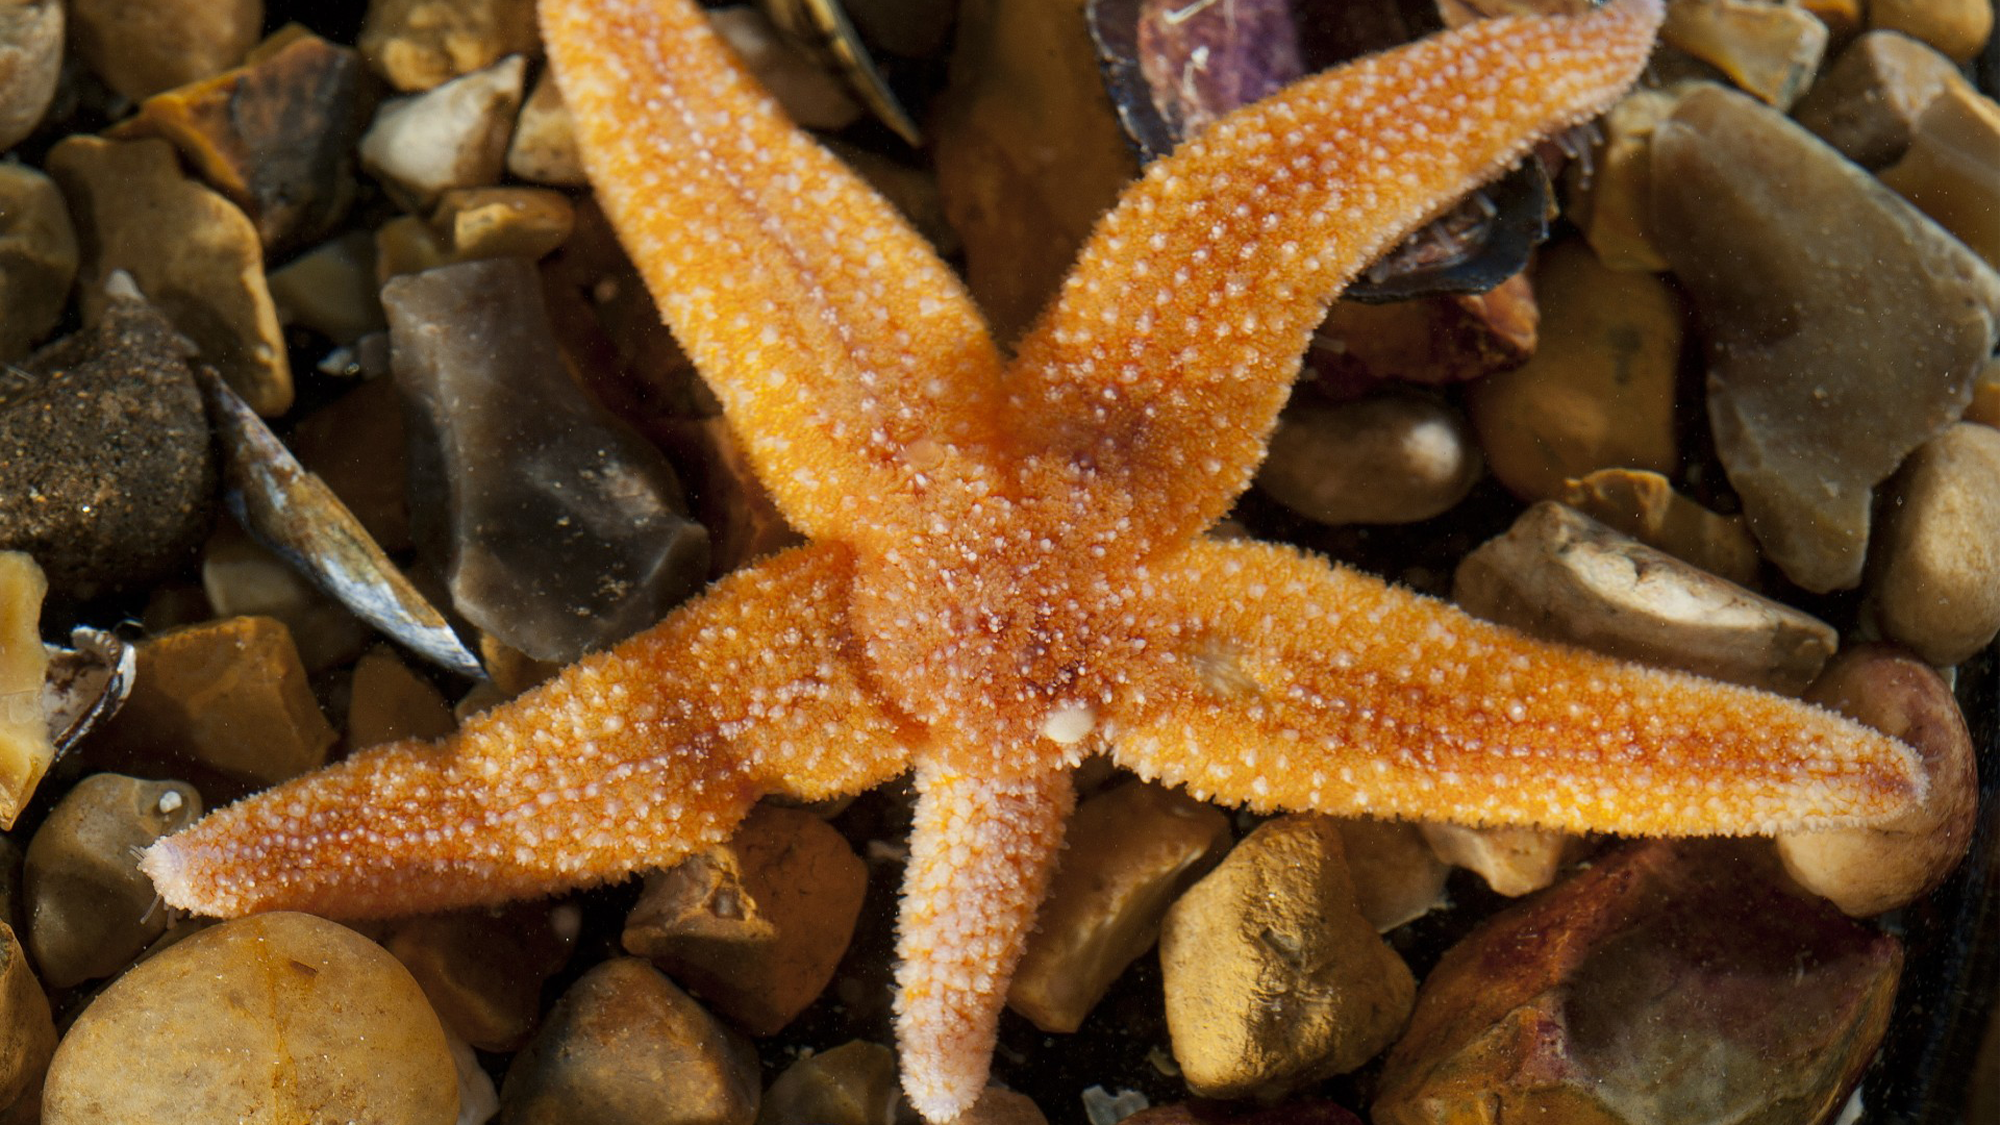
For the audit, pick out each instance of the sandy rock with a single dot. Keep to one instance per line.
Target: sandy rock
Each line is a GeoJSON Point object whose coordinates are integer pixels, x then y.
{"type": "Point", "coordinates": [1599, 392]}
{"type": "Point", "coordinates": [389, 703]}
{"type": "Point", "coordinates": [140, 50]}
{"type": "Point", "coordinates": [1126, 854]}
{"type": "Point", "coordinates": [418, 44]}
{"type": "Point", "coordinates": [1867, 103]}
{"type": "Point", "coordinates": [31, 51]}
{"type": "Point", "coordinates": [1000, 1106]}
{"type": "Point", "coordinates": [89, 907]}
{"type": "Point", "coordinates": [25, 748]}
{"type": "Point", "coordinates": [1645, 506]}
{"type": "Point", "coordinates": [1867, 871]}
{"type": "Point", "coordinates": [277, 1017]}
{"type": "Point", "coordinates": [1770, 50]}
{"type": "Point", "coordinates": [453, 136]}
{"type": "Point", "coordinates": [1513, 861]}
{"type": "Point", "coordinates": [27, 1034]}
{"type": "Point", "coordinates": [483, 970]}
{"type": "Point", "coordinates": [1273, 978]}
{"type": "Point", "coordinates": [1612, 203]}
{"type": "Point", "coordinates": [1442, 339]}
{"type": "Point", "coordinates": [1387, 459]}
{"type": "Point", "coordinates": [1743, 198]}
{"type": "Point", "coordinates": [852, 1084]}
{"type": "Point", "coordinates": [543, 149]}
{"type": "Point", "coordinates": [1951, 169]}
{"type": "Point", "coordinates": [503, 222]}
{"type": "Point", "coordinates": [1397, 877]}
{"type": "Point", "coordinates": [1958, 28]}
{"type": "Point", "coordinates": [1562, 576]}
{"type": "Point", "coordinates": [1934, 586]}
{"type": "Point", "coordinates": [191, 251]}
{"type": "Point", "coordinates": [625, 1047]}
{"type": "Point", "coordinates": [38, 257]}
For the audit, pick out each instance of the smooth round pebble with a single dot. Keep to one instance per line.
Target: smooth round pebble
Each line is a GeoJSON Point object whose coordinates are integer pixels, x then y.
{"type": "Point", "coordinates": [1390, 459]}
{"type": "Point", "coordinates": [275, 1019]}
{"type": "Point", "coordinates": [1935, 588]}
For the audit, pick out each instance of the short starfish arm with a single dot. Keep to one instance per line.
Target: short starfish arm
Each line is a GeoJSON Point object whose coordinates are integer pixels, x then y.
{"type": "Point", "coordinates": [981, 854]}
{"type": "Point", "coordinates": [1160, 369]}
{"type": "Point", "coordinates": [629, 759]}
{"type": "Point", "coordinates": [1282, 683]}
{"type": "Point", "coordinates": [847, 356]}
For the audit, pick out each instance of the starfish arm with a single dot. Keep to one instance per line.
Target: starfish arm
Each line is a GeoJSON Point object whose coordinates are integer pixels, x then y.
{"type": "Point", "coordinates": [981, 855]}
{"type": "Point", "coordinates": [1159, 371]}
{"type": "Point", "coordinates": [629, 759]}
{"type": "Point", "coordinates": [847, 357]}
{"type": "Point", "coordinates": [1278, 682]}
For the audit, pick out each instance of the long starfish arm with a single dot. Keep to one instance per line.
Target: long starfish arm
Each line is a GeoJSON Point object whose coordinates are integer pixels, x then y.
{"type": "Point", "coordinates": [629, 759]}
{"type": "Point", "coordinates": [1327, 690]}
{"type": "Point", "coordinates": [1159, 371]}
{"type": "Point", "coordinates": [981, 854]}
{"type": "Point", "coordinates": [848, 358]}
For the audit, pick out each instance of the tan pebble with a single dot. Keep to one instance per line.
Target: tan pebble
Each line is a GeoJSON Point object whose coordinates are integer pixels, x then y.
{"type": "Point", "coordinates": [1273, 979]}
{"type": "Point", "coordinates": [418, 44]}
{"type": "Point", "coordinates": [390, 703]}
{"type": "Point", "coordinates": [142, 49]}
{"type": "Point", "coordinates": [1841, 17]}
{"type": "Point", "coordinates": [229, 694]}
{"type": "Point", "coordinates": [852, 1084]}
{"type": "Point", "coordinates": [1126, 854]}
{"type": "Point", "coordinates": [331, 289]}
{"type": "Point", "coordinates": [625, 1047]}
{"type": "Point", "coordinates": [1951, 169]}
{"type": "Point", "coordinates": [1770, 50]}
{"type": "Point", "coordinates": [999, 1106]}
{"type": "Point", "coordinates": [278, 1017]}
{"type": "Point", "coordinates": [407, 244]}
{"type": "Point", "coordinates": [38, 258]}
{"type": "Point", "coordinates": [1933, 584]}
{"type": "Point", "coordinates": [1430, 340]}
{"type": "Point", "coordinates": [242, 578]}
{"type": "Point", "coordinates": [1610, 196]}
{"type": "Point", "coordinates": [1958, 28]}
{"type": "Point", "coordinates": [755, 926]}
{"type": "Point", "coordinates": [809, 92]}
{"type": "Point", "coordinates": [1645, 506]}
{"type": "Point", "coordinates": [1387, 459]}
{"type": "Point", "coordinates": [1397, 877]}
{"type": "Point", "coordinates": [192, 252]}
{"type": "Point", "coordinates": [503, 222]}
{"type": "Point", "coordinates": [1984, 408]}
{"type": "Point", "coordinates": [1599, 392]}
{"type": "Point", "coordinates": [543, 149]}
{"type": "Point", "coordinates": [512, 671]}
{"type": "Point", "coordinates": [90, 909]}
{"type": "Point", "coordinates": [27, 1033]}
{"type": "Point", "coordinates": [453, 136]}
{"type": "Point", "coordinates": [31, 52]}
{"type": "Point", "coordinates": [1867, 103]}
{"type": "Point", "coordinates": [25, 747]}
{"type": "Point", "coordinates": [1559, 575]}
{"type": "Point", "coordinates": [1513, 861]}
{"type": "Point", "coordinates": [1866, 871]}
{"type": "Point", "coordinates": [483, 969]}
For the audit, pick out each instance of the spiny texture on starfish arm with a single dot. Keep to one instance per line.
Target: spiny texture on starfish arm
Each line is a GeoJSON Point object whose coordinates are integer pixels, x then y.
{"type": "Point", "coordinates": [1009, 571]}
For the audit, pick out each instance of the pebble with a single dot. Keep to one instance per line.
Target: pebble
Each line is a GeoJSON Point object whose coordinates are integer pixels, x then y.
{"type": "Point", "coordinates": [229, 695]}
{"type": "Point", "coordinates": [90, 909]}
{"type": "Point", "coordinates": [483, 970]}
{"type": "Point", "coordinates": [1841, 17]}
{"type": "Point", "coordinates": [1397, 877]}
{"type": "Point", "coordinates": [1958, 28]}
{"type": "Point", "coordinates": [1985, 406]}
{"type": "Point", "coordinates": [1867, 103]}
{"type": "Point", "coordinates": [27, 1033]}
{"type": "Point", "coordinates": [852, 1084]}
{"type": "Point", "coordinates": [419, 44]}
{"type": "Point", "coordinates": [1748, 198]}
{"type": "Point", "coordinates": [1866, 871]}
{"type": "Point", "coordinates": [25, 747]}
{"type": "Point", "coordinates": [625, 1047]}
{"type": "Point", "coordinates": [1599, 392]}
{"type": "Point", "coordinates": [572, 550]}
{"type": "Point", "coordinates": [331, 289]}
{"type": "Point", "coordinates": [1513, 861]}
{"type": "Point", "coordinates": [478, 1098]}
{"type": "Point", "coordinates": [38, 258]}
{"type": "Point", "coordinates": [241, 578]}
{"type": "Point", "coordinates": [503, 222]}
{"type": "Point", "coordinates": [1934, 586]}
{"type": "Point", "coordinates": [1612, 201]}
{"type": "Point", "coordinates": [543, 150]}
{"type": "Point", "coordinates": [141, 50]}
{"type": "Point", "coordinates": [1000, 1106]}
{"type": "Point", "coordinates": [1442, 339]}
{"type": "Point", "coordinates": [809, 93]}
{"type": "Point", "coordinates": [756, 926]}
{"type": "Point", "coordinates": [189, 249]}
{"type": "Point", "coordinates": [1770, 50]}
{"type": "Point", "coordinates": [1645, 506]}
{"type": "Point", "coordinates": [1559, 575]}
{"type": "Point", "coordinates": [276, 1017]}
{"type": "Point", "coordinates": [1297, 1112]}
{"type": "Point", "coordinates": [105, 471]}
{"type": "Point", "coordinates": [1385, 459]}
{"type": "Point", "coordinates": [356, 444]}
{"type": "Point", "coordinates": [1273, 979]}
{"type": "Point", "coordinates": [276, 135]}
{"type": "Point", "coordinates": [390, 703]}
{"type": "Point", "coordinates": [1951, 169]}
{"type": "Point", "coordinates": [453, 136]}
{"type": "Point", "coordinates": [1127, 853]}
{"type": "Point", "coordinates": [31, 53]}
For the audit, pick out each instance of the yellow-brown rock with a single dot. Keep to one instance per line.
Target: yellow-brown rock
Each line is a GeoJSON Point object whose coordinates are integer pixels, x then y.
{"type": "Point", "coordinates": [230, 695]}
{"type": "Point", "coordinates": [1984, 408]}
{"type": "Point", "coordinates": [38, 258]}
{"type": "Point", "coordinates": [1388, 458]}
{"type": "Point", "coordinates": [852, 1084]}
{"type": "Point", "coordinates": [503, 222]}
{"type": "Point", "coordinates": [27, 1033]}
{"type": "Point", "coordinates": [1958, 28]}
{"type": "Point", "coordinates": [242, 578]}
{"type": "Point", "coordinates": [755, 926]}
{"type": "Point", "coordinates": [1645, 506]}
{"type": "Point", "coordinates": [1867, 103]}
{"type": "Point", "coordinates": [273, 1018]}
{"type": "Point", "coordinates": [1768, 49]}
{"type": "Point", "coordinates": [25, 748]}
{"type": "Point", "coordinates": [407, 244]}
{"type": "Point", "coordinates": [1273, 979]}
{"type": "Point", "coordinates": [193, 254]}
{"type": "Point", "coordinates": [389, 702]}
{"type": "Point", "coordinates": [543, 149]}
{"type": "Point", "coordinates": [1932, 583]}
{"type": "Point", "coordinates": [1397, 877]}
{"type": "Point", "coordinates": [1599, 392]}
{"type": "Point", "coordinates": [1126, 854]}
{"type": "Point", "coordinates": [1442, 339]}
{"type": "Point", "coordinates": [1611, 202]}
{"type": "Point", "coordinates": [1951, 170]}
{"type": "Point", "coordinates": [31, 52]}
{"type": "Point", "coordinates": [1841, 17]}
{"type": "Point", "coordinates": [625, 1047]}
{"type": "Point", "coordinates": [418, 44]}
{"type": "Point", "coordinates": [1513, 861]}
{"type": "Point", "coordinates": [142, 49]}
{"type": "Point", "coordinates": [1000, 1106]}
{"type": "Point", "coordinates": [483, 969]}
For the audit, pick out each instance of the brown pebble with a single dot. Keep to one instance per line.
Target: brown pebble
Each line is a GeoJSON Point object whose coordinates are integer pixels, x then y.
{"type": "Point", "coordinates": [240, 577]}
{"type": "Point", "coordinates": [1770, 50]}
{"type": "Point", "coordinates": [418, 44]}
{"type": "Point", "coordinates": [31, 53]}
{"type": "Point", "coordinates": [390, 703]}
{"type": "Point", "coordinates": [142, 49]}
{"type": "Point", "coordinates": [1397, 877]}
{"type": "Point", "coordinates": [1385, 459]}
{"type": "Point", "coordinates": [38, 257]}
{"type": "Point", "coordinates": [483, 969]}
{"type": "Point", "coordinates": [1610, 195]}
{"type": "Point", "coordinates": [356, 445]}
{"type": "Point", "coordinates": [503, 222]}
{"type": "Point", "coordinates": [27, 1033]}
{"type": "Point", "coordinates": [1933, 585]}
{"type": "Point", "coordinates": [25, 747]}
{"type": "Point", "coordinates": [1513, 861]}
{"type": "Point", "coordinates": [1867, 103]}
{"type": "Point", "coordinates": [1958, 28]}
{"type": "Point", "coordinates": [1442, 339]}
{"type": "Point", "coordinates": [1645, 506]}
{"type": "Point", "coordinates": [852, 1084]}
{"type": "Point", "coordinates": [1951, 169]}
{"type": "Point", "coordinates": [543, 148]}
{"type": "Point", "coordinates": [1000, 1106]}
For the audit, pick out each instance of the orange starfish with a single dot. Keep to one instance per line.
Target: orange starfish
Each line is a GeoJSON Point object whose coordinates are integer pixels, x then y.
{"type": "Point", "coordinates": [1009, 570]}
